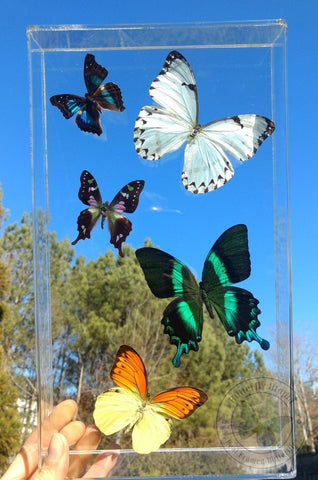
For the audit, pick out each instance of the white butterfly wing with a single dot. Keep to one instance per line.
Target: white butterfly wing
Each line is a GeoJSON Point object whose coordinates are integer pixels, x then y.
{"type": "Point", "coordinates": [241, 135]}
{"type": "Point", "coordinates": [151, 431]}
{"type": "Point", "coordinates": [158, 131]}
{"type": "Point", "coordinates": [206, 165]}
{"type": "Point", "coordinates": [175, 88]}
{"type": "Point", "coordinates": [116, 409]}
{"type": "Point", "coordinates": [163, 130]}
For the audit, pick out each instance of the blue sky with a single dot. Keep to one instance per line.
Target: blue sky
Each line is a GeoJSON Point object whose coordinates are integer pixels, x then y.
{"type": "Point", "coordinates": [302, 99]}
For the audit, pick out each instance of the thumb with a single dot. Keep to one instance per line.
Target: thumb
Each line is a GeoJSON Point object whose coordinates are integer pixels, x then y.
{"type": "Point", "coordinates": [56, 464]}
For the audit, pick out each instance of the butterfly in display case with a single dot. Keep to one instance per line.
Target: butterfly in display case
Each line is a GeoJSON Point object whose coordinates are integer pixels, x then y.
{"type": "Point", "coordinates": [119, 226]}
{"type": "Point", "coordinates": [163, 129]}
{"type": "Point", "coordinates": [130, 407]}
{"type": "Point", "coordinates": [99, 97]}
{"type": "Point", "coordinates": [227, 262]}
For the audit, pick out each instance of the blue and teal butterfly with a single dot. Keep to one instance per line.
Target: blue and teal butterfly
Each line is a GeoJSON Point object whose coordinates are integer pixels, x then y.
{"type": "Point", "coordinates": [98, 98]}
{"type": "Point", "coordinates": [119, 226]}
{"type": "Point", "coordinates": [227, 262]}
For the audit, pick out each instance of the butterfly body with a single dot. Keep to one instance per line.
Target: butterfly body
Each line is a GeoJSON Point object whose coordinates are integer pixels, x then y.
{"type": "Point", "coordinates": [164, 129]}
{"type": "Point", "coordinates": [98, 98]}
{"type": "Point", "coordinates": [227, 262]}
{"type": "Point", "coordinates": [119, 226]}
{"type": "Point", "coordinates": [130, 407]}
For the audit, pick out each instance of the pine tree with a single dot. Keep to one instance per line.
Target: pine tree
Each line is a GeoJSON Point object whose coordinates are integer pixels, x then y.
{"type": "Point", "coordinates": [9, 419]}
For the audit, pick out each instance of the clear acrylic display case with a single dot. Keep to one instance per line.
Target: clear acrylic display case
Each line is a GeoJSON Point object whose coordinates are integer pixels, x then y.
{"type": "Point", "coordinates": [239, 68]}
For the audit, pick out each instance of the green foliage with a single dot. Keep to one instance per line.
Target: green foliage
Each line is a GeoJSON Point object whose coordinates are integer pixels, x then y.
{"type": "Point", "coordinates": [9, 419]}
{"type": "Point", "coordinates": [96, 306]}
{"type": "Point", "coordinates": [10, 425]}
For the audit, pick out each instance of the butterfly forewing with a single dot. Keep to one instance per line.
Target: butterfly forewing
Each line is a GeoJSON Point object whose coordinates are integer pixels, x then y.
{"type": "Point", "coordinates": [129, 370]}
{"type": "Point", "coordinates": [127, 198]}
{"type": "Point", "coordinates": [165, 274]}
{"type": "Point", "coordinates": [68, 104]}
{"type": "Point", "coordinates": [228, 261]}
{"type": "Point", "coordinates": [89, 192]}
{"type": "Point", "coordinates": [94, 73]}
{"type": "Point", "coordinates": [175, 89]}
{"type": "Point", "coordinates": [163, 130]}
{"type": "Point", "coordinates": [180, 402]}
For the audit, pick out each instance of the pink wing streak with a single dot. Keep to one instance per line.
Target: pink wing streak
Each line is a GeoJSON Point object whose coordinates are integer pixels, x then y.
{"type": "Point", "coordinates": [120, 207]}
{"type": "Point", "coordinates": [92, 202]}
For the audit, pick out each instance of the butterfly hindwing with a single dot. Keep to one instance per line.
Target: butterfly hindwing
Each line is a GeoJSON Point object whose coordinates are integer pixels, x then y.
{"type": "Point", "coordinates": [88, 119]}
{"type": "Point", "coordinates": [238, 311]}
{"type": "Point", "coordinates": [126, 201]}
{"type": "Point", "coordinates": [165, 128]}
{"type": "Point", "coordinates": [130, 407]}
{"type": "Point", "coordinates": [108, 97]}
{"type": "Point", "coordinates": [183, 322]}
{"type": "Point", "coordinates": [86, 221]}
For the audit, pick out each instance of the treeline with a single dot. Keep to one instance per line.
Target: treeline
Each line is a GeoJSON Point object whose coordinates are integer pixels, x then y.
{"type": "Point", "coordinates": [96, 306]}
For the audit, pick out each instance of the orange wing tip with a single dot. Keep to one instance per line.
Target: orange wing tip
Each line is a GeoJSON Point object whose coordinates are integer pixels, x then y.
{"type": "Point", "coordinates": [129, 370]}
{"type": "Point", "coordinates": [180, 402]}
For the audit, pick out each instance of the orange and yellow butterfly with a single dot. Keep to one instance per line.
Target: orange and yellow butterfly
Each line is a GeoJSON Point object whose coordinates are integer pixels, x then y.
{"type": "Point", "coordinates": [131, 407]}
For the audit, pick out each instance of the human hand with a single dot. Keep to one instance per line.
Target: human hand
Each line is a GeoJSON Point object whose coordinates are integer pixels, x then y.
{"type": "Point", "coordinates": [57, 465]}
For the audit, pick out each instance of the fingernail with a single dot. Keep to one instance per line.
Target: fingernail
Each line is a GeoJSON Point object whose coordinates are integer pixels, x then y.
{"type": "Point", "coordinates": [55, 448]}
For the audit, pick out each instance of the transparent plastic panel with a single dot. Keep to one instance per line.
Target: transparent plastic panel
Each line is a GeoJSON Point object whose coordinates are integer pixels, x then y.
{"type": "Point", "coordinates": [246, 428]}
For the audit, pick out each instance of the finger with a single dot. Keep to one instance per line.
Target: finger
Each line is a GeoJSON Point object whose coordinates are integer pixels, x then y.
{"type": "Point", "coordinates": [73, 432]}
{"type": "Point", "coordinates": [55, 465]}
{"type": "Point", "coordinates": [104, 463]}
{"type": "Point", "coordinates": [62, 415]}
{"type": "Point", "coordinates": [89, 441]}
{"type": "Point", "coordinates": [26, 462]}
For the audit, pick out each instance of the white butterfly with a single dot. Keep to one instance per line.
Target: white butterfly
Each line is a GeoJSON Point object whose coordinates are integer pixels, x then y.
{"type": "Point", "coordinates": [164, 129]}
